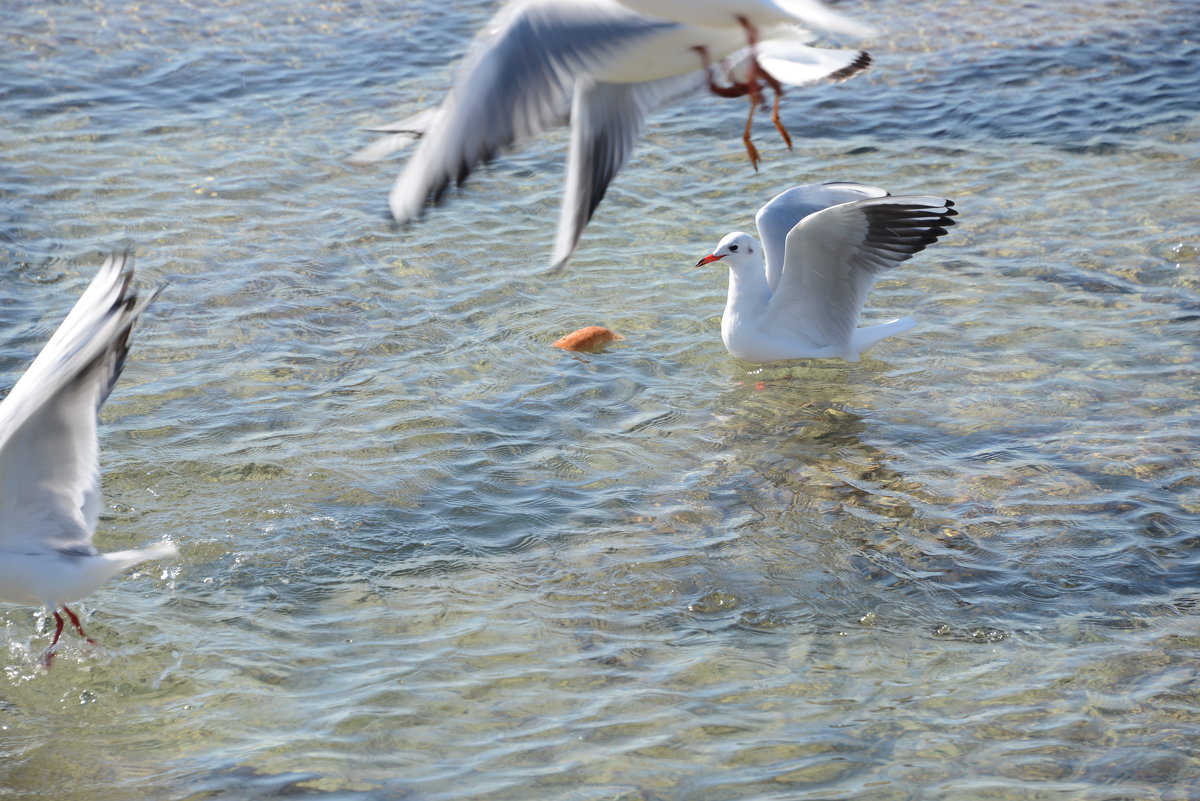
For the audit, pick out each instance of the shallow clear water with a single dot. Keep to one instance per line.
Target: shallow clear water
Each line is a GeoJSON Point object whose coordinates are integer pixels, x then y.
{"type": "Point", "coordinates": [425, 555]}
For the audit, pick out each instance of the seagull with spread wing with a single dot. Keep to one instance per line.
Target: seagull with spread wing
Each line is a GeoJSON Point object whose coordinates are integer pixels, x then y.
{"type": "Point", "coordinates": [595, 64]}
{"type": "Point", "coordinates": [799, 293]}
{"type": "Point", "coordinates": [50, 460]}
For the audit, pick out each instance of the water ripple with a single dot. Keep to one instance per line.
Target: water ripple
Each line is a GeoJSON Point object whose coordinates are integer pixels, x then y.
{"type": "Point", "coordinates": [426, 555]}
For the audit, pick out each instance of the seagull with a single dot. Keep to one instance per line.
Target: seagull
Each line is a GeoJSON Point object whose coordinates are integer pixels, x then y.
{"type": "Point", "coordinates": [540, 64]}
{"type": "Point", "coordinates": [824, 245]}
{"type": "Point", "coordinates": [752, 16]}
{"type": "Point", "coordinates": [776, 62]}
{"type": "Point", "coordinates": [50, 456]}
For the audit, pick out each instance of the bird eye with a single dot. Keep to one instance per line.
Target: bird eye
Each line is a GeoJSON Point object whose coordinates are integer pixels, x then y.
{"type": "Point", "coordinates": [733, 248]}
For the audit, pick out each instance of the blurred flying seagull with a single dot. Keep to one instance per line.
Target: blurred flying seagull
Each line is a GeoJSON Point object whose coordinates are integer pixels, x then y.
{"type": "Point", "coordinates": [50, 459]}
{"type": "Point", "coordinates": [603, 67]}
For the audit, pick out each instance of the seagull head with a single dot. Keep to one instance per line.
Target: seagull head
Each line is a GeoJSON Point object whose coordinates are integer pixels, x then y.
{"type": "Point", "coordinates": [739, 248]}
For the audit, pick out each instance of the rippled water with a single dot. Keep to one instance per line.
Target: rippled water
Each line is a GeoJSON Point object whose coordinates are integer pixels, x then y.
{"type": "Point", "coordinates": [424, 555]}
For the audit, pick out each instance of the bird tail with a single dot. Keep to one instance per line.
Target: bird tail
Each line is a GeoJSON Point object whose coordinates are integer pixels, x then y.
{"type": "Point", "coordinates": [868, 337]}
{"type": "Point", "coordinates": [120, 560]}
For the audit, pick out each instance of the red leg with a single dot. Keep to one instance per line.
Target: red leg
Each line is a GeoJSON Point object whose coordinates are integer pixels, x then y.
{"type": "Point", "coordinates": [733, 90]}
{"type": "Point", "coordinates": [751, 150]}
{"type": "Point", "coordinates": [58, 627]}
{"type": "Point", "coordinates": [751, 32]}
{"type": "Point", "coordinates": [736, 89]}
{"type": "Point", "coordinates": [78, 626]}
{"type": "Point", "coordinates": [48, 656]}
{"type": "Point", "coordinates": [757, 73]}
{"type": "Point", "coordinates": [778, 89]}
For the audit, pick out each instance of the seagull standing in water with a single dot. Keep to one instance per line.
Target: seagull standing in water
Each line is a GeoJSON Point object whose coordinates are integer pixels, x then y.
{"type": "Point", "coordinates": [799, 294]}
{"type": "Point", "coordinates": [50, 459]}
{"type": "Point", "coordinates": [598, 64]}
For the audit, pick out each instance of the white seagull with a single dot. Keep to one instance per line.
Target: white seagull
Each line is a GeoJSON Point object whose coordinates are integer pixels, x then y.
{"type": "Point", "coordinates": [824, 245]}
{"type": "Point", "coordinates": [50, 459]}
{"type": "Point", "coordinates": [752, 16]}
{"type": "Point", "coordinates": [596, 63]}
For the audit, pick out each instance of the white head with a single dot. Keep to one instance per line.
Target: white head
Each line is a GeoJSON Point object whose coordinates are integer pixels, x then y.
{"type": "Point", "coordinates": [738, 250]}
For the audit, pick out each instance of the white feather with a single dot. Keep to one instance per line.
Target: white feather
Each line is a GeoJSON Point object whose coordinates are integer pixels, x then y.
{"type": "Point", "coordinates": [49, 451]}
{"type": "Point", "coordinates": [542, 63]}
{"type": "Point", "coordinates": [829, 242]}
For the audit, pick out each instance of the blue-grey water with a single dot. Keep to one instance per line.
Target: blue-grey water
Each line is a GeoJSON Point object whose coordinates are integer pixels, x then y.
{"type": "Point", "coordinates": [424, 555]}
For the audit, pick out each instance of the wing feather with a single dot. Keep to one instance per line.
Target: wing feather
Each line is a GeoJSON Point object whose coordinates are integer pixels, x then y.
{"type": "Point", "coordinates": [606, 121]}
{"type": "Point", "coordinates": [780, 215]}
{"type": "Point", "coordinates": [517, 82]}
{"type": "Point", "coordinates": [49, 452]}
{"type": "Point", "coordinates": [833, 256]}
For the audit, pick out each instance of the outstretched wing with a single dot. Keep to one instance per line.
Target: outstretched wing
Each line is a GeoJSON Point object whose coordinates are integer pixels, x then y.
{"type": "Point", "coordinates": [606, 121]}
{"type": "Point", "coordinates": [788, 57]}
{"type": "Point", "coordinates": [777, 219]}
{"type": "Point", "coordinates": [797, 67]}
{"type": "Point", "coordinates": [517, 82]}
{"type": "Point", "coordinates": [833, 256]}
{"type": "Point", "coordinates": [49, 453]}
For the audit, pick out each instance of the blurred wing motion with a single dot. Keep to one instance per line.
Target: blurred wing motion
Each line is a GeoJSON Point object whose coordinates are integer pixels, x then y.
{"type": "Point", "coordinates": [593, 63]}
{"type": "Point", "coordinates": [49, 453]}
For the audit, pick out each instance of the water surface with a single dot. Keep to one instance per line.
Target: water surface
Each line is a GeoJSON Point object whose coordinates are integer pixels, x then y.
{"type": "Point", "coordinates": [424, 555]}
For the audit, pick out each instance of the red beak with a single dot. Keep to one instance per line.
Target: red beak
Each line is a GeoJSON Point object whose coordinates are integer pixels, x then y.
{"type": "Point", "coordinates": [710, 258]}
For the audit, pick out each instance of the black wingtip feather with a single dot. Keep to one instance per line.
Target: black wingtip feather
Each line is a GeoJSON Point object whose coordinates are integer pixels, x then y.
{"type": "Point", "coordinates": [904, 228]}
{"type": "Point", "coordinates": [862, 62]}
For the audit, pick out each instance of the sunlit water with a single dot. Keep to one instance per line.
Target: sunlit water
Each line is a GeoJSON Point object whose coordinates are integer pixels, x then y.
{"type": "Point", "coordinates": [424, 555]}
